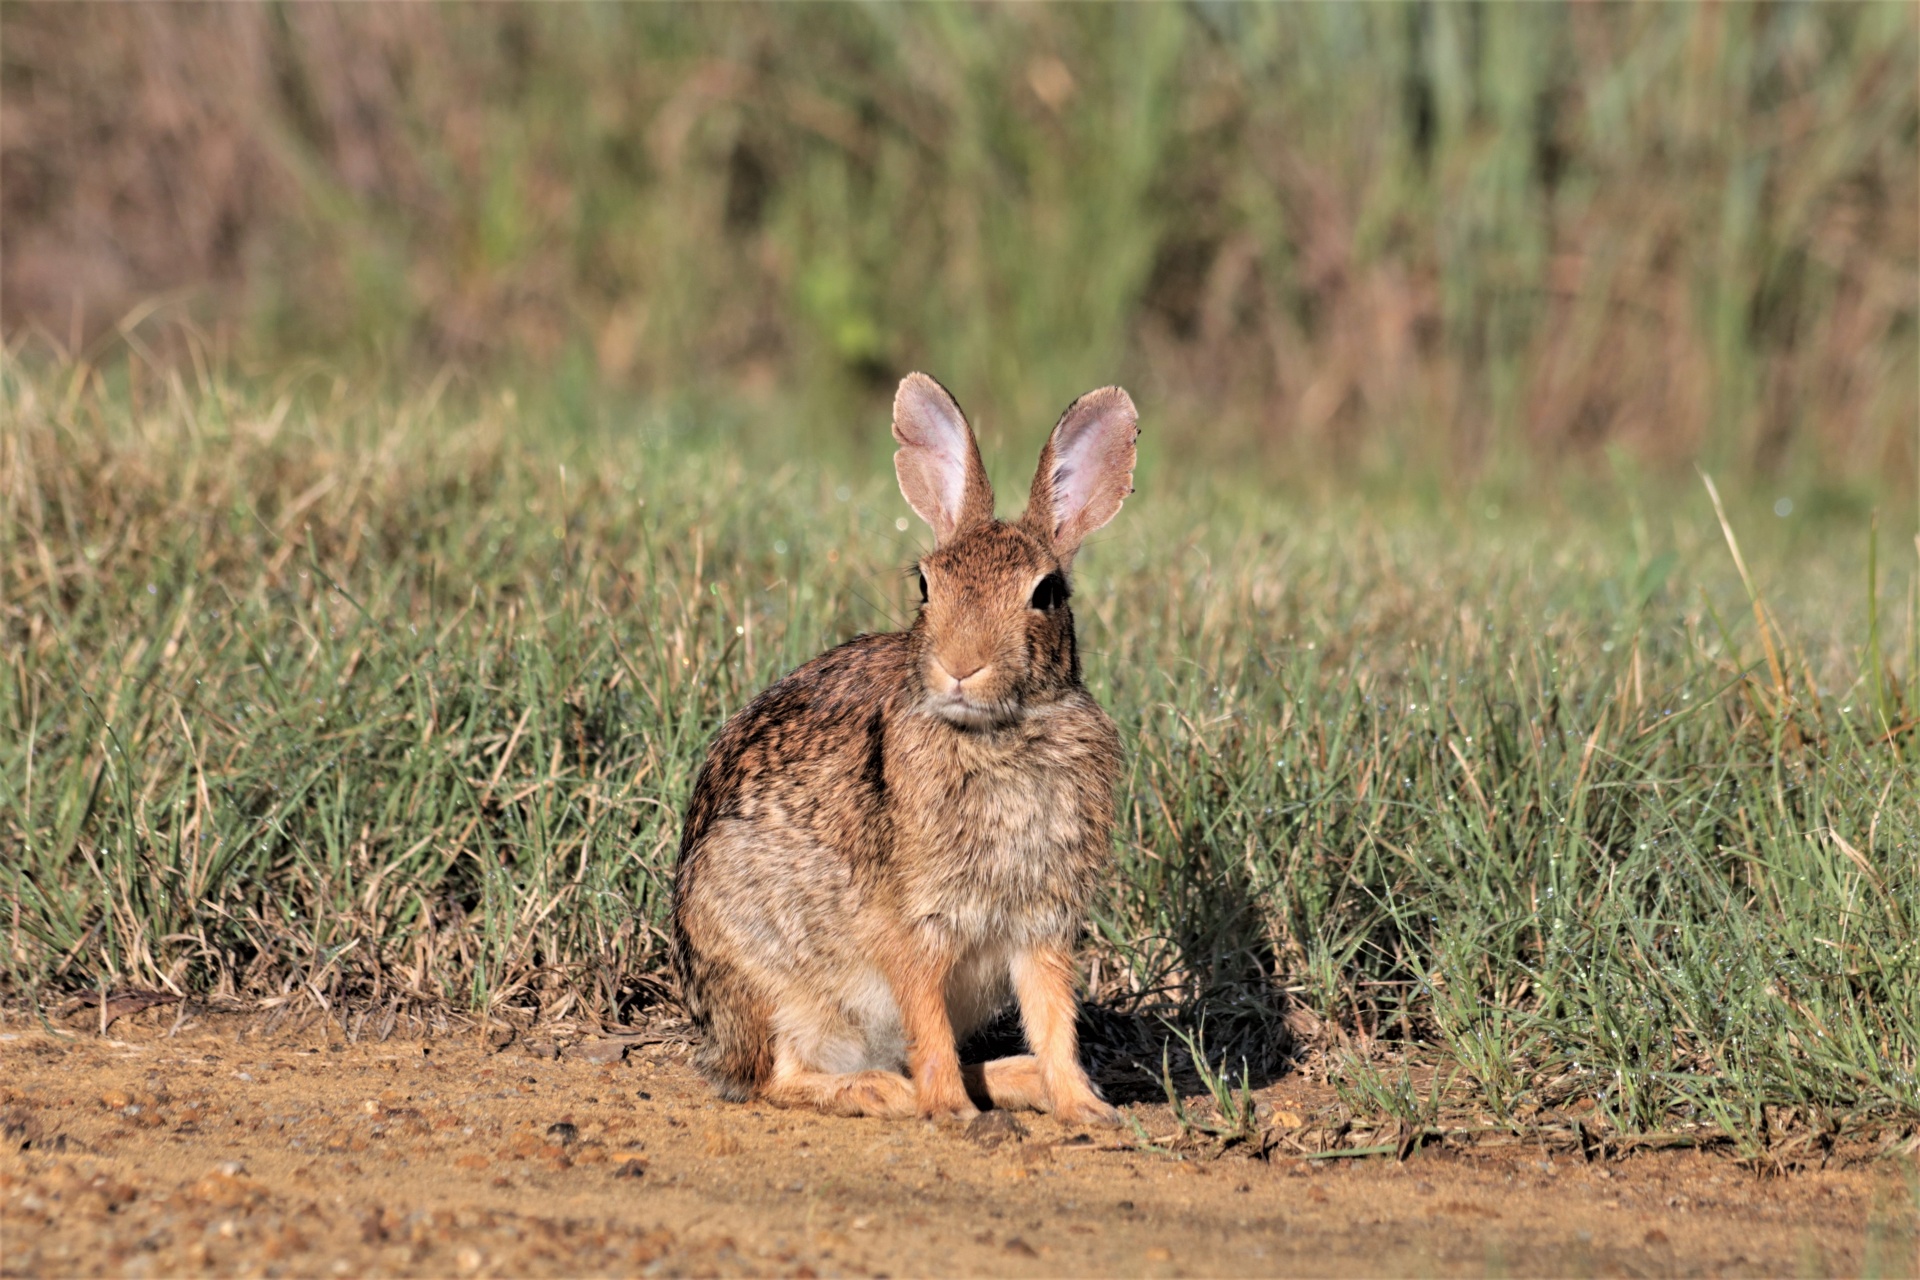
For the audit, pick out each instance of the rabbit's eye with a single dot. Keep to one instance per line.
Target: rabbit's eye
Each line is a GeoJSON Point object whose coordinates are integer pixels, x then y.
{"type": "Point", "coordinates": [923, 588]}
{"type": "Point", "coordinates": [1051, 593]}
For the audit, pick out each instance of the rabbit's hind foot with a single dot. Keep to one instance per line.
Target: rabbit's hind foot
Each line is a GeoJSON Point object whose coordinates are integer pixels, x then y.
{"type": "Point", "coordinates": [855, 1093]}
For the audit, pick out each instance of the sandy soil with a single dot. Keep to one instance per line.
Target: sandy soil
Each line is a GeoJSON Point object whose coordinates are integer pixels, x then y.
{"type": "Point", "coordinates": [220, 1151]}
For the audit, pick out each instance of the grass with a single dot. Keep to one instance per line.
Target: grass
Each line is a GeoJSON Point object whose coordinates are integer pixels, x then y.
{"type": "Point", "coordinates": [316, 697]}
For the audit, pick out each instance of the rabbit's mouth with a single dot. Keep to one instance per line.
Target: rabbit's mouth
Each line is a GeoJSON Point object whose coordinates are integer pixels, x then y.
{"type": "Point", "coordinates": [963, 712]}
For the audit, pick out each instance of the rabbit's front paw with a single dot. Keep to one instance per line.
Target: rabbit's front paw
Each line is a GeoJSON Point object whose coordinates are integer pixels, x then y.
{"type": "Point", "coordinates": [945, 1100]}
{"type": "Point", "coordinates": [1087, 1110]}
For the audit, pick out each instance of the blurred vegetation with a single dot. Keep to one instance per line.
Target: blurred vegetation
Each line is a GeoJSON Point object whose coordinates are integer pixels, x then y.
{"type": "Point", "coordinates": [1443, 238]}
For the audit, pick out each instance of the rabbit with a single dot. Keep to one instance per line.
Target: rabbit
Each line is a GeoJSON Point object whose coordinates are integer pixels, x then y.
{"type": "Point", "coordinates": [890, 844]}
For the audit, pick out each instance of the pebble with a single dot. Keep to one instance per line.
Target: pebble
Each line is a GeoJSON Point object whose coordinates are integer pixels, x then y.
{"type": "Point", "coordinates": [631, 1169]}
{"type": "Point", "coordinates": [991, 1128]}
{"type": "Point", "coordinates": [564, 1133]}
{"type": "Point", "coordinates": [543, 1049]}
{"type": "Point", "coordinates": [604, 1051]}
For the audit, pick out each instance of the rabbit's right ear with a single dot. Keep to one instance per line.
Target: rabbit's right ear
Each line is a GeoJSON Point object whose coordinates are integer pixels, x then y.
{"type": "Point", "coordinates": [938, 461]}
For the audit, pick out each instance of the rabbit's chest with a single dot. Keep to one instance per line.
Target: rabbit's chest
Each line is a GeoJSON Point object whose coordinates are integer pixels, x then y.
{"type": "Point", "coordinates": [1007, 849]}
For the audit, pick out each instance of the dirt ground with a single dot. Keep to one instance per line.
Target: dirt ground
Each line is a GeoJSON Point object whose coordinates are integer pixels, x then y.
{"type": "Point", "coordinates": [221, 1151]}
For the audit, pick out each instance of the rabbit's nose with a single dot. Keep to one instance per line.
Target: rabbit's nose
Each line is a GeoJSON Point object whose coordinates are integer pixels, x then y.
{"type": "Point", "coordinates": [951, 680]}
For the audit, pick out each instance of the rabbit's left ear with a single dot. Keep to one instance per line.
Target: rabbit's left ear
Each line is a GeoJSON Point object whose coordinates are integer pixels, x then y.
{"type": "Point", "coordinates": [938, 461]}
{"type": "Point", "coordinates": [1086, 470]}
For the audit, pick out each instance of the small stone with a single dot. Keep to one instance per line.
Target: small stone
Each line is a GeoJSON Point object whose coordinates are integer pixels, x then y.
{"type": "Point", "coordinates": [1020, 1248]}
{"type": "Point", "coordinates": [631, 1169]}
{"type": "Point", "coordinates": [991, 1128]}
{"type": "Point", "coordinates": [563, 1133]}
{"type": "Point", "coordinates": [230, 1169]}
{"type": "Point", "coordinates": [115, 1100]}
{"type": "Point", "coordinates": [499, 1038]}
{"type": "Point", "coordinates": [545, 1050]}
{"type": "Point", "coordinates": [1159, 1253]}
{"type": "Point", "coordinates": [601, 1051]}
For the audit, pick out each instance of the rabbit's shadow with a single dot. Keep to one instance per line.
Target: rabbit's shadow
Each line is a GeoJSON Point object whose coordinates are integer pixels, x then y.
{"type": "Point", "coordinates": [1132, 1054]}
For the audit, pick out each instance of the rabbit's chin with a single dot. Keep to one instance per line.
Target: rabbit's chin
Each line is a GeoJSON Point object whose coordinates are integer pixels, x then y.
{"type": "Point", "coordinates": [976, 716]}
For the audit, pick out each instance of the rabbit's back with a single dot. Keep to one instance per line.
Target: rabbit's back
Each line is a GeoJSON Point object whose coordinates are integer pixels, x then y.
{"type": "Point", "coordinates": [785, 835]}
{"type": "Point", "coordinates": [807, 754]}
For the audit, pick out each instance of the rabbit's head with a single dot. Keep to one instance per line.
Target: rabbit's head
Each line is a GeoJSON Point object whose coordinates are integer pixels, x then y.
{"type": "Point", "coordinates": [994, 635]}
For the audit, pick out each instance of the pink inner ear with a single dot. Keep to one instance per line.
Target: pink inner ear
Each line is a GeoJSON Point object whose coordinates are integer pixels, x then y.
{"type": "Point", "coordinates": [945, 438]}
{"type": "Point", "coordinates": [938, 467]}
{"type": "Point", "coordinates": [1092, 463]}
{"type": "Point", "coordinates": [1076, 476]}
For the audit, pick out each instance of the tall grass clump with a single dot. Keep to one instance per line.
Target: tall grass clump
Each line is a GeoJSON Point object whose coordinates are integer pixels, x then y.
{"type": "Point", "coordinates": [327, 698]}
{"type": "Point", "coordinates": [1470, 238]}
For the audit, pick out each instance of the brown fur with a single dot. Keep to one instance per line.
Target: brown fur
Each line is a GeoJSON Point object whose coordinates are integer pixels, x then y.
{"type": "Point", "coordinates": [896, 839]}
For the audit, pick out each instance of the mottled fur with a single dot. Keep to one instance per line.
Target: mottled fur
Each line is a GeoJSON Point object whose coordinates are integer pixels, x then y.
{"type": "Point", "coordinates": [894, 841]}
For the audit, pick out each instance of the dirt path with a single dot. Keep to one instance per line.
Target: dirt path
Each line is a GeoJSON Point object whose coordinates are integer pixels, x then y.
{"type": "Point", "coordinates": [223, 1153]}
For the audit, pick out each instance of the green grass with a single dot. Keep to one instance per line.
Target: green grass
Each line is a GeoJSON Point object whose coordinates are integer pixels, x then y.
{"type": "Point", "coordinates": [391, 701]}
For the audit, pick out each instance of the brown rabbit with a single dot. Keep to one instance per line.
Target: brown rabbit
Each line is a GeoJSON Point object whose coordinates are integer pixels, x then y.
{"type": "Point", "coordinates": [901, 835]}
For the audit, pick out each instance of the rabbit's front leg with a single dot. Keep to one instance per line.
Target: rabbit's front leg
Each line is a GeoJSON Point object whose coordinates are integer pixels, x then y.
{"type": "Point", "coordinates": [919, 979]}
{"type": "Point", "coordinates": [1043, 983]}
